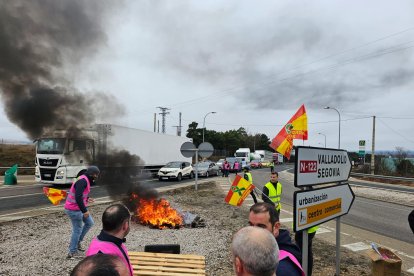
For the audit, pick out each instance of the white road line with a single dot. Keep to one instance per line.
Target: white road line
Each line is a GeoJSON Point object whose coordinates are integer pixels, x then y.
{"type": "Point", "coordinates": [286, 220]}
{"type": "Point", "coordinates": [379, 204]}
{"type": "Point", "coordinates": [323, 230]}
{"type": "Point", "coordinates": [358, 246]}
{"type": "Point", "coordinates": [100, 200]}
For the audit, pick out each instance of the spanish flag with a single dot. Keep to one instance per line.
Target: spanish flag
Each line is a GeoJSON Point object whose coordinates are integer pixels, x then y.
{"type": "Point", "coordinates": [239, 190]}
{"type": "Point", "coordinates": [54, 195]}
{"type": "Point", "coordinates": [296, 128]}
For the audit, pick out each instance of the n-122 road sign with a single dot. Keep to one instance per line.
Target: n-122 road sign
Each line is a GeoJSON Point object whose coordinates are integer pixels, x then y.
{"type": "Point", "coordinates": [320, 165]}
{"type": "Point", "coordinates": [313, 207]}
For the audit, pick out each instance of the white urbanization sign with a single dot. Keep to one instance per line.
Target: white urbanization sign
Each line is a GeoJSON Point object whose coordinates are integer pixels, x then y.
{"type": "Point", "coordinates": [319, 165]}
{"type": "Point", "coordinates": [313, 207]}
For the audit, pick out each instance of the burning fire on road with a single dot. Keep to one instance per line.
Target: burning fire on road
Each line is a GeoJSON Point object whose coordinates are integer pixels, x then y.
{"type": "Point", "coordinates": [156, 213]}
{"type": "Point", "coordinates": [159, 214]}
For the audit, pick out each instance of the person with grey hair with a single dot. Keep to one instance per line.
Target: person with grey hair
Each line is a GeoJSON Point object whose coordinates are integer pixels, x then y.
{"type": "Point", "coordinates": [255, 252]}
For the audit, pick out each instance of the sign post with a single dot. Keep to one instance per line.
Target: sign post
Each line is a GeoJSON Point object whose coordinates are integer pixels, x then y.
{"type": "Point", "coordinates": [188, 149]}
{"type": "Point", "coordinates": [315, 166]}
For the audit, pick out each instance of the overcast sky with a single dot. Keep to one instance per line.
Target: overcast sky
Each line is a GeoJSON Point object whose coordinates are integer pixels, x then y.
{"type": "Point", "coordinates": [255, 63]}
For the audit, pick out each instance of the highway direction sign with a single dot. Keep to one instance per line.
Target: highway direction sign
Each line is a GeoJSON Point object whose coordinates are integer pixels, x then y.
{"type": "Point", "coordinates": [320, 165]}
{"type": "Point", "coordinates": [313, 207]}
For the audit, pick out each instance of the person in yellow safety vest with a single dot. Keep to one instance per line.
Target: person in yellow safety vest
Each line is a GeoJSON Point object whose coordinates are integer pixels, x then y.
{"type": "Point", "coordinates": [272, 191]}
{"type": "Point", "coordinates": [298, 240]}
{"type": "Point", "coordinates": [248, 176]}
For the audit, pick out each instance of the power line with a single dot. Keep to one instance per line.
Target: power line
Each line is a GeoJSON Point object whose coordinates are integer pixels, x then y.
{"type": "Point", "coordinates": [396, 132]}
{"type": "Point", "coordinates": [225, 92]}
{"type": "Point", "coordinates": [279, 125]}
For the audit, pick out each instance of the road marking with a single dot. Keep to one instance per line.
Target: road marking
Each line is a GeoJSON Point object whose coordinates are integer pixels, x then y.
{"type": "Point", "coordinates": [379, 204]}
{"type": "Point", "coordinates": [286, 220]}
{"type": "Point", "coordinates": [358, 246]}
{"type": "Point", "coordinates": [323, 230]}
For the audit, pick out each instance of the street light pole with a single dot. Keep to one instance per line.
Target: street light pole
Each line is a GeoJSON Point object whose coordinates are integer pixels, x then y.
{"type": "Point", "coordinates": [338, 220]}
{"type": "Point", "coordinates": [204, 121]}
{"type": "Point", "coordinates": [339, 114]}
{"type": "Point", "coordinates": [324, 137]}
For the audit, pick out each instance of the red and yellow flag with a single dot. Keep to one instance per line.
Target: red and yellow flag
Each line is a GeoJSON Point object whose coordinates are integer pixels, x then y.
{"type": "Point", "coordinates": [239, 190]}
{"type": "Point", "coordinates": [54, 195]}
{"type": "Point", "coordinates": [296, 128]}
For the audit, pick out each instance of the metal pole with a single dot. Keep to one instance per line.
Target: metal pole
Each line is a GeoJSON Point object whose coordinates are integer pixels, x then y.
{"type": "Point", "coordinates": [204, 122]}
{"type": "Point", "coordinates": [373, 147]}
{"type": "Point", "coordinates": [196, 170]}
{"type": "Point", "coordinates": [324, 137]}
{"type": "Point", "coordinates": [338, 220]}
{"type": "Point", "coordinates": [304, 248]}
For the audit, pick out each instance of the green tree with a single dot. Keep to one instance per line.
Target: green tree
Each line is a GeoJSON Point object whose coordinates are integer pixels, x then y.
{"type": "Point", "coordinates": [195, 133]}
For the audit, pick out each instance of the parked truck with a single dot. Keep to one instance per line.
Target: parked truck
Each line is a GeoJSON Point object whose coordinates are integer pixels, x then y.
{"type": "Point", "coordinates": [61, 157]}
{"type": "Point", "coordinates": [265, 155]}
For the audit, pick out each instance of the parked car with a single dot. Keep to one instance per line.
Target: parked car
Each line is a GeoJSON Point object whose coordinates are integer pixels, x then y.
{"type": "Point", "coordinates": [255, 164]}
{"type": "Point", "coordinates": [207, 169]}
{"type": "Point", "coordinates": [176, 170]}
{"type": "Point", "coordinates": [220, 163]}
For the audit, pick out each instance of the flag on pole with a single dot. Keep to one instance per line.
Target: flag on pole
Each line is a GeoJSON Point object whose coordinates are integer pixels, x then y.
{"type": "Point", "coordinates": [54, 195]}
{"type": "Point", "coordinates": [296, 128]}
{"type": "Point", "coordinates": [239, 190]}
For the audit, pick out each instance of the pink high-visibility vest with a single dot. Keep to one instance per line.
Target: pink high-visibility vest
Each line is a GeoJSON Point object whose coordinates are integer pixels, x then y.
{"type": "Point", "coordinates": [106, 247]}
{"type": "Point", "coordinates": [70, 203]}
{"type": "Point", "coordinates": [284, 254]}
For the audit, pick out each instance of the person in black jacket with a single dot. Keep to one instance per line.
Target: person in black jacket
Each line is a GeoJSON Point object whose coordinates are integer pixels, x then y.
{"type": "Point", "coordinates": [411, 220]}
{"type": "Point", "coordinates": [264, 215]}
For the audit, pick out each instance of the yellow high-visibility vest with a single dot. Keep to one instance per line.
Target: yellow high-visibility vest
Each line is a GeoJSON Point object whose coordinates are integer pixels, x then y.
{"type": "Point", "coordinates": [313, 229]}
{"type": "Point", "coordinates": [249, 176]}
{"type": "Point", "coordinates": [275, 193]}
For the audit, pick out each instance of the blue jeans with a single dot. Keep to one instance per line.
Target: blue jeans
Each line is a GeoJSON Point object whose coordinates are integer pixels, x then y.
{"type": "Point", "coordinates": [80, 226]}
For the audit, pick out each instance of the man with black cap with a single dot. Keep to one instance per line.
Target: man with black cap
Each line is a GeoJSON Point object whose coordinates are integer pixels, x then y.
{"type": "Point", "coordinates": [76, 208]}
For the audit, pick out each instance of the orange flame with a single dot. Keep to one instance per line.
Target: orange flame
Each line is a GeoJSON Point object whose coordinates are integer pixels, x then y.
{"type": "Point", "coordinates": [157, 213]}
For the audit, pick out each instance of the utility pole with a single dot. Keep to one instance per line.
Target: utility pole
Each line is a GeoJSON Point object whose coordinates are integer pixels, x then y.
{"type": "Point", "coordinates": [163, 113]}
{"type": "Point", "coordinates": [155, 122]}
{"type": "Point", "coordinates": [373, 147]}
{"type": "Point", "coordinates": [179, 127]}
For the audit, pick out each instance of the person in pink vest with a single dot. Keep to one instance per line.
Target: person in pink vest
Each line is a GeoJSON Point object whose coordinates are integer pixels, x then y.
{"type": "Point", "coordinates": [100, 264]}
{"type": "Point", "coordinates": [255, 252]}
{"type": "Point", "coordinates": [236, 166]}
{"type": "Point", "coordinates": [115, 223]}
{"type": "Point", "coordinates": [264, 215]}
{"type": "Point", "coordinates": [76, 208]}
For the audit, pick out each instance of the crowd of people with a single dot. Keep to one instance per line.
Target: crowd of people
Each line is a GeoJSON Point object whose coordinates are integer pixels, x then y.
{"type": "Point", "coordinates": [261, 248]}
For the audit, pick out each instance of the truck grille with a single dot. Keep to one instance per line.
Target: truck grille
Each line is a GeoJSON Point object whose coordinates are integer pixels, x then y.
{"type": "Point", "coordinates": [48, 162]}
{"type": "Point", "coordinates": [47, 174]}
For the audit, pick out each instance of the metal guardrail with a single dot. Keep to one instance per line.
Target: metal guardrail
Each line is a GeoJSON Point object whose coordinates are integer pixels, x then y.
{"type": "Point", "coordinates": [387, 177]}
{"type": "Point", "coordinates": [5, 168]}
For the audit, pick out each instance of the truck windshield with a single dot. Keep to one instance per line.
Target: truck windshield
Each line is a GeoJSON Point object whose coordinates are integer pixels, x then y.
{"type": "Point", "coordinates": [51, 145]}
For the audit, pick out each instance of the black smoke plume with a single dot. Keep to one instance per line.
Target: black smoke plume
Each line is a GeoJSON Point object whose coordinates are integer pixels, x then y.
{"type": "Point", "coordinates": [38, 39]}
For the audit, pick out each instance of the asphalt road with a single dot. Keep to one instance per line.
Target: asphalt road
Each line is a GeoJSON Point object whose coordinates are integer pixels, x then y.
{"type": "Point", "coordinates": [385, 218]}
{"type": "Point", "coordinates": [18, 198]}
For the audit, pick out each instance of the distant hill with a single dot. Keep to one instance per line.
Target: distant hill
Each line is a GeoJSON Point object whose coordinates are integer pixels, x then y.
{"type": "Point", "coordinates": [23, 155]}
